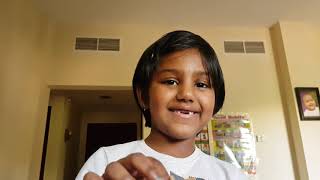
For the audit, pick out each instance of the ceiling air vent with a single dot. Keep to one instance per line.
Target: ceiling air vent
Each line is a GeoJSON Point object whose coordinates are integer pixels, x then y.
{"type": "Point", "coordinates": [254, 47]}
{"type": "Point", "coordinates": [109, 44]}
{"type": "Point", "coordinates": [86, 43]}
{"type": "Point", "coordinates": [233, 47]}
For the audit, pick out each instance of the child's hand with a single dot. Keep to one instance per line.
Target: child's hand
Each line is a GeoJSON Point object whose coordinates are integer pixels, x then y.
{"type": "Point", "coordinates": [134, 166]}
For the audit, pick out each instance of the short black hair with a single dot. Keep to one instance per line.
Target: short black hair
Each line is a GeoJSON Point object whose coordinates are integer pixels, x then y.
{"type": "Point", "coordinates": [173, 42]}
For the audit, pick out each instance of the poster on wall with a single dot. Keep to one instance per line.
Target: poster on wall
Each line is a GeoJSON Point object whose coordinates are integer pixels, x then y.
{"type": "Point", "coordinates": [202, 140]}
{"type": "Point", "coordinates": [233, 141]}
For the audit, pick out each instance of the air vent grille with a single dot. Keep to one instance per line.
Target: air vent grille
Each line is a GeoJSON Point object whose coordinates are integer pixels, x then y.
{"type": "Point", "coordinates": [86, 43]}
{"type": "Point", "coordinates": [100, 44]}
{"type": "Point", "coordinates": [244, 47]}
{"type": "Point", "coordinates": [254, 47]}
{"type": "Point", "coordinates": [233, 47]}
{"type": "Point", "coordinates": [109, 44]}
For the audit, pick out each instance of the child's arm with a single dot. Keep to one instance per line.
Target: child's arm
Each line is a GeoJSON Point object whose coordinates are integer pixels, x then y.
{"type": "Point", "coordinates": [134, 166]}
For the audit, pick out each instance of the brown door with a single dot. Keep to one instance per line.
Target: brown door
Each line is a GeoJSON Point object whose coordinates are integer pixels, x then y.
{"type": "Point", "coordinates": [107, 134]}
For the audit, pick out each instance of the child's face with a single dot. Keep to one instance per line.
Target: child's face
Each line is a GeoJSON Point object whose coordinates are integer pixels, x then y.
{"type": "Point", "coordinates": [181, 100]}
{"type": "Point", "coordinates": [309, 102]}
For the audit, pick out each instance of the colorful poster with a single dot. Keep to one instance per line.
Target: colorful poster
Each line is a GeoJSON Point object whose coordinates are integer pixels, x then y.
{"type": "Point", "coordinates": [233, 141]}
{"type": "Point", "coordinates": [202, 140]}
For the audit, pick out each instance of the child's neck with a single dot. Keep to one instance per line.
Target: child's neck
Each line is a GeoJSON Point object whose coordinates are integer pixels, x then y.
{"type": "Point", "coordinates": [175, 148]}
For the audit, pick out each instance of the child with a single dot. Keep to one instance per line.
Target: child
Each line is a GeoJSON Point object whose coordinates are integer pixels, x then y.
{"type": "Point", "coordinates": [178, 85]}
{"type": "Point", "coordinates": [309, 104]}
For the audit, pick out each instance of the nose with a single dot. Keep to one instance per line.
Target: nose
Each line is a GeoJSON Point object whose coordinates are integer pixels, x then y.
{"type": "Point", "coordinates": [185, 93]}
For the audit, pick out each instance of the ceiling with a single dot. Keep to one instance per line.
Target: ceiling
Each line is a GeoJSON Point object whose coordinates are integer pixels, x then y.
{"type": "Point", "coordinates": [183, 12]}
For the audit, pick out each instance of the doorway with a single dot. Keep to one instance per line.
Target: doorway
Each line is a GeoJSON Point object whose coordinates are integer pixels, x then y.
{"type": "Point", "coordinates": [108, 134]}
{"type": "Point", "coordinates": [87, 114]}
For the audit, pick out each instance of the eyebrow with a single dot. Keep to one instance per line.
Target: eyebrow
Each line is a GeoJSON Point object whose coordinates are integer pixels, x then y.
{"type": "Point", "coordinates": [175, 71]}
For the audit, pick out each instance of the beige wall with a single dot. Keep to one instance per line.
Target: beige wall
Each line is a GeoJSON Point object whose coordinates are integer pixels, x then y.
{"type": "Point", "coordinates": [56, 152]}
{"type": "Point", "coordinates": [301, 44]}
{"type": "Point", "coordinates": [72, 145]}
{"type": "Point", "coordinates": [26, 39]}
{"type": "Point", "coordinates": [62, 156]}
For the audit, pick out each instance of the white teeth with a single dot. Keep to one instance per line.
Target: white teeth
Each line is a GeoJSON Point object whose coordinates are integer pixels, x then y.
{"type": "Point", "coordinates": [185, 112]}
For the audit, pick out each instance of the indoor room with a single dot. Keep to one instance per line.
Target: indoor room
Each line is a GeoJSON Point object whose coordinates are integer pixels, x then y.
{"type": "Point", "coordinates": [67, 69]}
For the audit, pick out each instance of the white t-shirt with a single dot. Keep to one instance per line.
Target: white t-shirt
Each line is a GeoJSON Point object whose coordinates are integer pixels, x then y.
{"type": "Point", "coordinates": [309, 113]}
{"type": "Point", "coordinates": [198, 164]}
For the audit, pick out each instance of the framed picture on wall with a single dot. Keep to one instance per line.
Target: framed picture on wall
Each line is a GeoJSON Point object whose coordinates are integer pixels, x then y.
{"type": "Point", "coordinates": [308, 103]}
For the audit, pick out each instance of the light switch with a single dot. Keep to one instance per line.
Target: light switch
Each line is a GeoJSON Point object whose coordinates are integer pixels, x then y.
{"type": "Point", "coordinates": [259, 138]}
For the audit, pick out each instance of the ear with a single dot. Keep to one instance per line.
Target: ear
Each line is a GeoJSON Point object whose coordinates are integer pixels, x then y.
{"type": "Point", "coordinates": [141, 100]}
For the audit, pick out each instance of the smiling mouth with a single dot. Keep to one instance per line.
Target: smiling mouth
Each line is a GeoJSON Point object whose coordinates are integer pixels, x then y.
{"type": "Point", "coordinates": [184, 113]}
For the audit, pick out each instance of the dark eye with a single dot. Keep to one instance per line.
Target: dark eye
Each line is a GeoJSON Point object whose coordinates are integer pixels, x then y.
{"type": "Point", "coordinates": [202, 85]}
{"type": "Point", "coordinates": [170, 82]}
